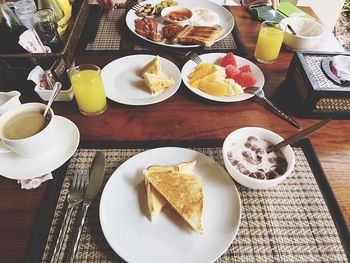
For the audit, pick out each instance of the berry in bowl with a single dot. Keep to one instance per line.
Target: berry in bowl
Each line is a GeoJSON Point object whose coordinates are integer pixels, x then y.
{"type": "Point", "coordinates": [177, 15]}
{"type": "Point", "coordinates": [248, 163]}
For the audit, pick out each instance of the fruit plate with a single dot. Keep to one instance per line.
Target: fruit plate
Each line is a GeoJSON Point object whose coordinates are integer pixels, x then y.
{"type": "Point", "coordinates": [215, 58]}
{"type": "Point", "coordinates": [225, 17]}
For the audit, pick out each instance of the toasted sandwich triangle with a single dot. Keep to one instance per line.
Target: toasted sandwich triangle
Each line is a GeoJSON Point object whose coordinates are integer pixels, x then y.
{"type": "Point", "coordinates": [183, 192]}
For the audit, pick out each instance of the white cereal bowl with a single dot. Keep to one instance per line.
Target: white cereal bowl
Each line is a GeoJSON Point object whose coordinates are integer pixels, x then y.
{"type": "Point", "coordinates": [263, 134]}
{"type": "Point", "coordinates": [309, 33]}
{"type": "Point", "coordinates": [169, 9]}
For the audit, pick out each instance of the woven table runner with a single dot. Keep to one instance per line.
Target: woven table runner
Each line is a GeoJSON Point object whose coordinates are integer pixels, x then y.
{"type": "Point", "coordinates": [113, 34]}
{"type": "Point", "coordinates": [289, 223]}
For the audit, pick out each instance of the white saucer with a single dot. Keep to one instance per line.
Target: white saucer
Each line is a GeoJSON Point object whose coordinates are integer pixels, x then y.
{"type": "Point", "coordinates": [14, 166]}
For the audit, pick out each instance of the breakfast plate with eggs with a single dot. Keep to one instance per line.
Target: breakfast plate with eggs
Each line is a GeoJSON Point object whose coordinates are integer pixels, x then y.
{"type": "Point", "coordinates": [153, 22]}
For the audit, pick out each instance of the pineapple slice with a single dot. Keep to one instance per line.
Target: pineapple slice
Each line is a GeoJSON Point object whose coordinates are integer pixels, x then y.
{"type": "Point", "coordinates": [200, 71]}
{"type": "Point", "coordinates": [216, 87]}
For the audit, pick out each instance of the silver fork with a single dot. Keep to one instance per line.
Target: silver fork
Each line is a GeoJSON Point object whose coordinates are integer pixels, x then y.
{"type": "Point", "coordinates": [74, 197]}
{"type": "Point", "coordinates": [258, 91]}
{"type": "Point", "coordinates": [194, 56]}
{"type": "Point", "coordinates": [136, 7]}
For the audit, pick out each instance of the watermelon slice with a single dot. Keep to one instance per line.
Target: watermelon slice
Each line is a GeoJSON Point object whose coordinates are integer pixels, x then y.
{"type": "Point", "coordinates": [245, 68]}
{"type": "Point", "coordinates": [228, 59]}
{"type": "Point", "coordinates": [245, 79]}
{"type": "Point", "coordinates": [231, 71]}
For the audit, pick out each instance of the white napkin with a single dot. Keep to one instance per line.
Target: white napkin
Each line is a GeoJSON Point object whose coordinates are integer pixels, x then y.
{"type": "Point", "coordinates": [34, 182]}
{"type": "Point", "coordinates": [342, 65]}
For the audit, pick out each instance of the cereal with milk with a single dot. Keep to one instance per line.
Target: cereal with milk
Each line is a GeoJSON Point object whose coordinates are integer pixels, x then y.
{"type": "Point", "coordinates": [249, 157]}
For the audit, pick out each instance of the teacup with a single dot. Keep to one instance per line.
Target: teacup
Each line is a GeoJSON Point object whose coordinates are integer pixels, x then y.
{"type": "Point", "coordinates": [25, 131]}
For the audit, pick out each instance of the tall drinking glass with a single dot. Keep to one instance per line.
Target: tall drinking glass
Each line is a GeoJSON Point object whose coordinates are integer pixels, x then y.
{"type": "Point", "coordinates": [25, 10]}
{"type": "Point", "coordinates": [46, 27]}
{"type": "Point", "coordinates": [88, 89]}
{"type": "Point", "coordinates": [269, 42]}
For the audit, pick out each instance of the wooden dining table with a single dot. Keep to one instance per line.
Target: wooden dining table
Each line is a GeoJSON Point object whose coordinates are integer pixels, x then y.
{"type": "Point", "coordinates": [183, 117]}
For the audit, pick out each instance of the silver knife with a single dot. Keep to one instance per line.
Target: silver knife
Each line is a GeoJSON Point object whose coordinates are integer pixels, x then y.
{"type": "Point", "coordinates": [95, 183]}
{"type": "Point", "coordinates": [298, 136]}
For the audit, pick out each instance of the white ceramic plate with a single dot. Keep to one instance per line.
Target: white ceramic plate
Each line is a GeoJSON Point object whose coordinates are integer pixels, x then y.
{"type": "Point", "coordinates": [14, 166]}
{"type": "Point", "coordinates": [123, 83]}
{"type": "Point", "coordinates": [134, 238]}
{"type": "Point", "coordinates": [214, 58]}
{"type": "Point", "coordinates": [226, 18]}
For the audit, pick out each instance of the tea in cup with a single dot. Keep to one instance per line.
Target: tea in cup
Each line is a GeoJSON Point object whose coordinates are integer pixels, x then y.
{"type": "Point", "coordinates": [25, 131]}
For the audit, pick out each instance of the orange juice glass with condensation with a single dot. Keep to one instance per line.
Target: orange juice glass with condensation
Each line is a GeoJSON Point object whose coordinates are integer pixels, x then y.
{"type": "Point", "coordinates": [88, 89]}
{"type": "Point", "coordinates": [269, 42]}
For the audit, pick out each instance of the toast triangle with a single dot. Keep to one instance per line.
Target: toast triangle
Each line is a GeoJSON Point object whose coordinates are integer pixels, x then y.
{"type": "Point", "coordinates": [155, 201]}
{"type": "Point", "coordinates": [183, 192]}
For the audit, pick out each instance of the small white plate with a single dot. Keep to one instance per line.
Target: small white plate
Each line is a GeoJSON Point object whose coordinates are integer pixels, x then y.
{"type": "Point", "coordinates": [123, 83]}
{"type": "Point", "coordinates": [14, 166]}
{"type": "Point", "coordinates": [226, 19]}
{"type": "Point", "coordinates": [134, 238]}
{"type": "Point", "coordinates": [214, 58]}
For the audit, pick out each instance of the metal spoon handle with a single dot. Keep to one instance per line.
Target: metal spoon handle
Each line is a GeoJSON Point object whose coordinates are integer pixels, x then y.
{"type": "Point", "coordinates": [298, 136]}
{"type": "Point", "coordinates": [282, 114]}
{"type": "Point", "coordinates": [56, 89]}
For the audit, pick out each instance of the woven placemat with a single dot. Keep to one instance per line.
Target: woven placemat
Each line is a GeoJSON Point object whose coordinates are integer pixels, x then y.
{"type": "Point", "coordinates": [333, 104]}
{"type": "Point", "coordinates": [322, 81]}
{"type": "Point", "coordinates": [289, 223]}
{"type": "Point", "coordinates": [112, 31]}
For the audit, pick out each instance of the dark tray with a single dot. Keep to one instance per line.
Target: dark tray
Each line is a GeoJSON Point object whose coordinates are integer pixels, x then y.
{"type": "Point", "coordinates": [18, 65]}
{"type": "Point", "coordinates": [316, 91]}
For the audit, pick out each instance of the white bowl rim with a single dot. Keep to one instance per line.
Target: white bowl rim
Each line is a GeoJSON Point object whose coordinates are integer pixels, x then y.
{"type": "Point", "coordinates": [286, 148]}
{"type": "Point", "coordinates": [305, 19]}
{"type": "Point", "coordinates": [168, 9]}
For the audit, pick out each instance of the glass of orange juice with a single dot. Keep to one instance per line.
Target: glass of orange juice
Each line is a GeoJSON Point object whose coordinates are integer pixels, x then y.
{"type": "Point", "coordinates": [88, 89]}
{"type": "Point", "coordinates": [269, 41]}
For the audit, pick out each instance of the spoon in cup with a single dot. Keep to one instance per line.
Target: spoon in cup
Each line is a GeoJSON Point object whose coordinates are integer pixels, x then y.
{"type": "Point", "coordinates": [56, 89]}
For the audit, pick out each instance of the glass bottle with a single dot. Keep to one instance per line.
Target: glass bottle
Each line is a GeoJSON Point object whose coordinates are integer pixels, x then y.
{"type": "Point", "coordinates": [10, 30]}
{"type": "Point", "coordinates": [59, 15]}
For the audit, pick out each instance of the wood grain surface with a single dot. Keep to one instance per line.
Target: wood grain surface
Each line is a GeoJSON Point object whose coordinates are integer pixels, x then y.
{"type": "Point", "coordinates": [184, 116]}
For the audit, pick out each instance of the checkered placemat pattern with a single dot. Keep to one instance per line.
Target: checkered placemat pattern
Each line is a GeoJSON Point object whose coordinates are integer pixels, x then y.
{"type": "Point", "coordinates": [314, 63]}
{"type": "Point", "coordinates": [289, 223]}
{"type": "Point", "coordinates": [112, 31]}
{"type": "Point", "coordinates": [108, 35]}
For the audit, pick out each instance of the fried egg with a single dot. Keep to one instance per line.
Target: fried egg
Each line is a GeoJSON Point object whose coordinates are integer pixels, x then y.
{"type": "Point", "coordinates": [204, 17]}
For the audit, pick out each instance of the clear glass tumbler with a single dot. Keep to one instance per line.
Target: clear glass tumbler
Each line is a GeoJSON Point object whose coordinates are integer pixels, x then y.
{"type": "Point", "coordinates": [25, 10]}
{"type": "Point", "coordinates": [269, 42]}
{"type": "Point", "coordinates": [88, 89]}
{"type": "Point", "coordinates": [46, 27]}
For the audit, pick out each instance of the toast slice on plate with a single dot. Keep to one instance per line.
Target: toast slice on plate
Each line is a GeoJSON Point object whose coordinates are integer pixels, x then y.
{"type": "Point", "coordinates": [156, 83]}
{"type": "Point", "coordinates": [183, 192]}
{"type": "Point", "coordinates": [201, 35]}
{"type": "Point", "coordinates": [155, 201]}
{"type": "Point", "coordinates": [152, 67]}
